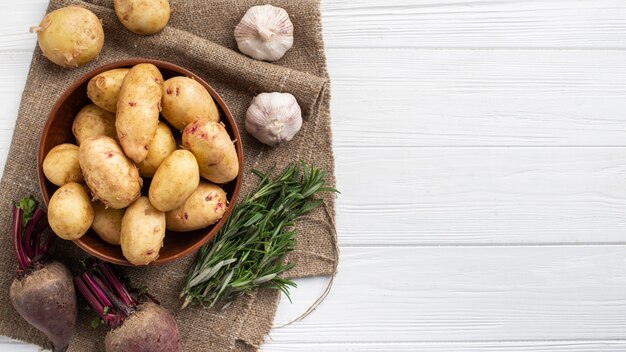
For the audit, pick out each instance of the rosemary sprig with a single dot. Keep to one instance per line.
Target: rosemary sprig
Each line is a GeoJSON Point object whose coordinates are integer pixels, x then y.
{"type": "Point", "coordinates": [249, 250]}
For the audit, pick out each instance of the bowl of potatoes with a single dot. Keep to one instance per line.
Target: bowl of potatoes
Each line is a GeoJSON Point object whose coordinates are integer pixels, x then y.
{"type": "Point", "coordinates": [140, 162]}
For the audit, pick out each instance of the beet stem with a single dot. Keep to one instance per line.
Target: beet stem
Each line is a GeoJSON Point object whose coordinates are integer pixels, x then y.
{"type": "Point", "coordinates": [27, 241]}
{"type": "Point", "coordinates": [116, 284]}
{"type": "Point", "coordinates": [36, 244]}
{"type": "Point", "coordinates": [41, 227]}
{"type": "Point", "coordinates": [97, 291]}
{"type": "Point", "coordinates": [89, 296]}
{"type": "Point", "coordinates": [16, 232]}
{"type": "Point", "coordinates": [126, 310]}
{"type": "Point", "coordinates": [48, 241]}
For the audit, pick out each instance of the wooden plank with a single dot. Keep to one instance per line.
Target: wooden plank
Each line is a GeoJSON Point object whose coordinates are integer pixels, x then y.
{"type": "Point", "coordinates": [409, 98]}
{"type": "Point", "coordinates": [595, 24]}
{"type": "Point", "coordinates": [475, 23]}
{"type": "Point", "coordinates": [16, 22]}
{"type": "Point", "coordinates": [443, 196]}
{"type": "Point", "coordinates": [465, 294]}
{"type": "Point", "coordinates": [9, 345]}
{"type": "Point", "coordinates": [521, 346]}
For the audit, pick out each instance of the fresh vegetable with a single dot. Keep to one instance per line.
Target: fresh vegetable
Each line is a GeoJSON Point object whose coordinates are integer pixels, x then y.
{"type": "Point", "coordinates": [185, 101]}
{"type": "Point", "coordinates": [161, 146]}
{"type": "Point", "coordinates": [143, 230]}
{"type": "Point", "coordinates": [111, 177]}
{"type": "Point", "coordinates": [137, 321]}
{"type": "Point", "coordinates": [274, 118]}
{"type": "Point", "coordinates": [61, 166]}
{"type": "Point", "coordinates": [215, 151]}
{"type": "Point", "coordinates": [174, 181]}
{"type": "Point", "coordinates": [70, 36]}
{"type": "Point", "coordinates": [143, 17]}
{"type": "Point", "coordinates": [70, 212]}
{"type": "Point", "coordinates": [137, 114]}
{"type": "Point", "coordinates": [93, 121]}
{"type": "Point", "coordinates": [250, 249]}
{"type": "Point", "coordinates": [265, 33]}
{"type": "Point", "coordinates": [42, 292]}
{"type": "Point", "coordinates": [104, 89]}
{"type": "Point", "coordinates": [107, 223]}
{"type": "Point", "coordinates": [205, 206]}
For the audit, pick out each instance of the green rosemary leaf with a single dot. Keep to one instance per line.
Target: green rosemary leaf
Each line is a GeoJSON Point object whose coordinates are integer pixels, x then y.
{"type": "Point", "coordinates": [249, 250]}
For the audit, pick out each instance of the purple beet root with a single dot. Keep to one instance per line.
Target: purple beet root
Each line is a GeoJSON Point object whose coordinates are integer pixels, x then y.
{"type": "Point", "coordinates": [138, 323]}
{"type": "Point", "coordinates": [150, 329]}
{"type": "Point", "coordinates": [47, 301]}
{"type": "Point", "coordinates": [43, 291]}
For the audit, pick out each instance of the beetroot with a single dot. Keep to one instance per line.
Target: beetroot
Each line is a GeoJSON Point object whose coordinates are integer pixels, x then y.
{"type": "Point", "coordinates": [42, 292]}
{"type": "Point", "coordinates": [138, 323]}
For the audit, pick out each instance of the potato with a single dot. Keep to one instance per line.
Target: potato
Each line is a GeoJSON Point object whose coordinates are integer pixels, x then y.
{"type": "Point", "coordinates": [61, 166]}
{"type": "Point", "coordinates": [143, 230]}
{"type": "Point", "coordinates": [111, 177]}
{"type": "Point", "coordinates": [185, 100]}
{"type": "Point", "coordinates": [107, 223]}
{"type": "Point", "coordinates": [143, 17]}
{"type": "Point", "coordinates": [70, 213]}
{"type": "Point", "coordinates": [104, 88]}
{"type": "Point", "coordinates": [137, 114]}
{"type": "Point", "coordinates": [162, 145]}
{"type": "Point", "coordinates": [206, 205]}
{"type": "Point", "coordinates": [70, 36]}
{"type": "Point", "coordinates": [211, 145]}
{"type": "Point", "coordinates": [174, 181]}
{"type": "Point", "coordinates": [93, 121]}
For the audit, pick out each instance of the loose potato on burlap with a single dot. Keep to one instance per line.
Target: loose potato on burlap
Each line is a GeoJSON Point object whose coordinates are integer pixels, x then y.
{"type": "Point", "coordinates": [93, 121]}
{"type": "Point", "coordinates": [111, 177]}
{"type": "Point", "coordinates": [138, 106]}
{"type": "Point", "coordinates": [211, 145]}
{"type": "Point", "coordinates": [185, 100]}
{"type": "Point", "coordinates": [61, 166]}
{"type": "Point", "coordinates": [104, 89]}
{"type": "Point", "coordinates": [141, 16]}
{"type": "Point", "coordinates": [70, 36]}
{"type": "Point", "coordinates": [206, 205]}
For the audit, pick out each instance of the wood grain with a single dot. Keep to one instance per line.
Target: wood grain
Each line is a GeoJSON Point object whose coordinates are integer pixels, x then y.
{"type": "Point", "coordinates": [408, 98]}
{"type": "Point", "coordinates": [445, 196]}
{"type": "Point", "coordinates": [593, 24]}
{"type": "Point", "coordinates": [464, 294]}
{"type": "Point", "coordinates": [518, 346]}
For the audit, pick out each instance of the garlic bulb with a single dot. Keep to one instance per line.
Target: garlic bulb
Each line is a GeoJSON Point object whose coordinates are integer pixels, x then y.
{"type": "Point", "coordinates": [265, 33]}
{"type": "Point", "coordinates": [273, 118]}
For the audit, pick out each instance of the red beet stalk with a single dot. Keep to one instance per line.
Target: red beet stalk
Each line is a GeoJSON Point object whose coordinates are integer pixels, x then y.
{"type": "Point", "coordinates": [137, 322]}
{"type": "Point", "coordinates": [106, 294]}
{"type": "Point", "coordinates": [40, 281]}
{"type": "Point", "coordinates": [28, 238]}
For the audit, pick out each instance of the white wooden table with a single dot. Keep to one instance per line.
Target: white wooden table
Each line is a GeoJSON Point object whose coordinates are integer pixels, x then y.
{"type": "Point", "coordinates": [481, 155]}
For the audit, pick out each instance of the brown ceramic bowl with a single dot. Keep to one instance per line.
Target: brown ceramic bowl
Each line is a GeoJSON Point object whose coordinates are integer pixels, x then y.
{"type": "Point", "coordinates": [58, 129]}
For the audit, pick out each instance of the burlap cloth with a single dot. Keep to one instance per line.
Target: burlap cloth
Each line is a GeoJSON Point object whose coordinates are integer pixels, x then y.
{"type": "Point", "coordinates": [199, 37]}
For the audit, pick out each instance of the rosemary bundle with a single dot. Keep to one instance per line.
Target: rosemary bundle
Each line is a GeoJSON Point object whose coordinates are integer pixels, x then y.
{"type": "Point", "coordinates": [249, 250]}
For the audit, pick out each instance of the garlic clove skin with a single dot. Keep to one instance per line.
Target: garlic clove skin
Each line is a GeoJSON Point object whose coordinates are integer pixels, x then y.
{"type": "Point", "coordinates": [274, 118]}
{"type": "Point", "coordinates": [265, 33]}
